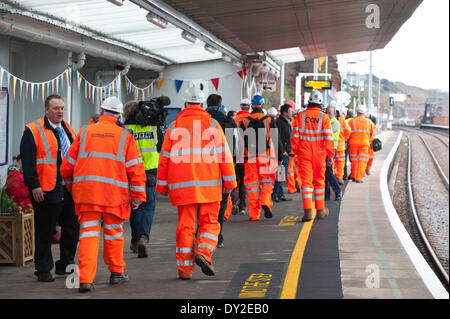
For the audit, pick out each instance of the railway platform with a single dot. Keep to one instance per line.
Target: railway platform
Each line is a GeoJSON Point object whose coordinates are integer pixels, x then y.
{"type": "Point", "coordinates": [353, 253]}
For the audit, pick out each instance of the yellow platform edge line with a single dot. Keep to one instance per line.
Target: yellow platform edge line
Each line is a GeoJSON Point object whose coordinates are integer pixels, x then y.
{"type": "Point", "coordinates": [291, 280]}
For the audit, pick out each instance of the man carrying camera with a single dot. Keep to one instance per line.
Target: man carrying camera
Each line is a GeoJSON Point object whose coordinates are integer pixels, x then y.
{"type": "Point", "coordinates": [145, 119]}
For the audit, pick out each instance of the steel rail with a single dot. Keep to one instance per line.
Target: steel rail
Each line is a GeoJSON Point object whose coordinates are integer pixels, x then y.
{"type": "Point", "coordinates": [423, 236]}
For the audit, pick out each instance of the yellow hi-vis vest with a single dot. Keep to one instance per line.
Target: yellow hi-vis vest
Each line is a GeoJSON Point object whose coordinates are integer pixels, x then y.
{"type": "Point", "coordinates": [146, 138]}
{"type": "Point", "coordinates": [336, 127]}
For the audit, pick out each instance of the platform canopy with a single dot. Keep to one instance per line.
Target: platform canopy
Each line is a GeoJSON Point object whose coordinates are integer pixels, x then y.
{"type": "Point", "coordinates": [285, 30]}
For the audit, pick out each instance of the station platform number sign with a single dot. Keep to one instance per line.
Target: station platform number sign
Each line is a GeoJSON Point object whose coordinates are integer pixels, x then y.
{"type": "Point", "coordinates": [317, 84]}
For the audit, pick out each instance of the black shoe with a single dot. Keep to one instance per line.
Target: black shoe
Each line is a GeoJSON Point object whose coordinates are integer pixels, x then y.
{"type": "Point", "coordinates": [220, 245]}
{"type": "Point", "coordinates": [62, 271]}
{"type": "Point", "coordinates": [206, 267]}
{"type": "Point", "coordinates": [341, 182]}
{"type": "Point", "coordinates": [267, 211]}
{"type": "Point", "coordinates": [117, 278]}
{"type": "Point", "coordinates": [339, 196]}
{"type": "Point", "coordinates": [85, 287]}
{"type": "Point", "coordinates": [141, 248]}
{"type": "Point", "coordinates": [45, 277]}
{"type": "Point", "coordinates": [275, 199]}
{"type": "Point", "coordinates": [284, 199]}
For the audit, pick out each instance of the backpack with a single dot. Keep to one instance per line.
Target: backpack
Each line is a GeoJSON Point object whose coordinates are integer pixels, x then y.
{"type": "Point", "coordinates": [256, 124]}
{"type": "Point", "coordinates": [376, 145]}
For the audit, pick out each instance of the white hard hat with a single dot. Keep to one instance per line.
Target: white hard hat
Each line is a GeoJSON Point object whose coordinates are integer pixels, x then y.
{"type": "Point", "coordinates": [112, 104]}
{"type": "Point", "coordinates": [361, 108]}
{"type": "Point", "coordinates": [245, 101]}
{"type": "Point", "coordinates": [333, 104]}
{"type": "Point", "coordinates": [272, 111]}
{"type": "Point", "coordinates": [195, 93]}
{"type": "Point", "coordinates": [316, 97]}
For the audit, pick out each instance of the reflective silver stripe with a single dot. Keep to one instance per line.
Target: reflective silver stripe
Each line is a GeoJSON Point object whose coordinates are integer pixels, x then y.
{"type": "Point", "coordinates": [161, 183]}
{"type": "Point", "coordinates": [118, 157]}
{"type": "Point", "coordinates": [295, 135]}
{"type": "Point", "coordinates": [164, 153]}
{"type": "Point", "coordinates": [307, 195]}
{"type": "Point", "coordinates": [307, 189]}
{"type": "Point", "coordinates": [184, 250]}
{"type": "Point", "coordinates": [252, 190]}
{"type": "Point", "coordinates": [252, 184]}
{"type": "Point", "coordinates": [48, 154]}
{"type": "Point", "coordinates": [210, 247]}
{"type": "Point", "coordinates": [229, 178]}
{"type": "Point", "coordinates": [90, 223]}
{"type": "Point", "coordinates": [208, 235]}
{"type": "Point", "coordinates": [195, 183]}
{"type": "Point", "coordinates": [185, 262]}
{"type": "Point", "coordinates": [116, 236]}
{"type": "Point", "coordinates": [267, 181]}
{"type": "Point", "coordinates": [148, 150]}
{"type": "Point", "coordinates": [90, 234]}
{"type": "Point", "coordinates": [319, 191]}
{"type": "Point", "coordinates": [101, 179]}
{"type": "Point", "coordinates": [317, 138]}
{"type": "Point", "coordinates": [133, 162]}
{"type": "Point", "coordinates": [70, 159]}
{"type": "Point", "coordinates": [137, 188]}
{"type": "Point", "coordinates": [290, 175]}
{"type": "Point", "coordinates": [319, 197]}
{"type": "Point", "coordinates": [113, 226]}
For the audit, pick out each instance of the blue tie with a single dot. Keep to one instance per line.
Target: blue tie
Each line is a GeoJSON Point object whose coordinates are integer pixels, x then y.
{"type": "Point", "coordinates": [62, 139]}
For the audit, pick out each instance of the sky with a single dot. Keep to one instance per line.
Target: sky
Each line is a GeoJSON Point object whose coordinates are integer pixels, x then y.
{"type": "Point", "coordinates": [417, 55]}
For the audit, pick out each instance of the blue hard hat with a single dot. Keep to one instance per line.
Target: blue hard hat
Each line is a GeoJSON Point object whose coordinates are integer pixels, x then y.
{"type": "Point", "coordinates": [223, 109]}
{"type": "Point", "coordinates": [258, 99]}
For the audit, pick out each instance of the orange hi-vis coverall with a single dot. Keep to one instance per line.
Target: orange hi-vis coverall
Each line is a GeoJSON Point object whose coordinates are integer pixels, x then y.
{"type": "Point", "coordinates": [293, 175]}
{"type": "Point", "coordinates": [344, 135]}
{"type": "Point", "coordinates": [103, 170]}
{"type": "Point", "coordinates": [312, 140]}
{"type": "Point", "coordinates": [371, 152]}
{"type": "Point", "coordinates": [359, 141]}
{"type": "Point", "coordinates": [241, 115]}
{"type": "Point", "coordinates": [259, 169]}
{"type": "Point", "coordinates": [194, 162]}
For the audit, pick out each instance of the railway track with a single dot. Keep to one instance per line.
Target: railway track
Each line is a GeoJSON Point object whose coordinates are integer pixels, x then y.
{"type": "Point", "coordinates": [431, 239]}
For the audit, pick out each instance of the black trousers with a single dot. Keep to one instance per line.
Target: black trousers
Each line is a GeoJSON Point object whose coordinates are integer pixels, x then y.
{"type": "Point", "coordinates": [45, 218]}
{"type": "Point", "coordinates": [240, 173]}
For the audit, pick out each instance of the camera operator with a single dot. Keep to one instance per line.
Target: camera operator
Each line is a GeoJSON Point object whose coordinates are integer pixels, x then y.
{"type": "Point", "coordinates": [145, 120]}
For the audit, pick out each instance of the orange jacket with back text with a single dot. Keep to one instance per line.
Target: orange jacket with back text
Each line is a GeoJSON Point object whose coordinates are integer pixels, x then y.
{"type": "Point", "coordinates": [195, 159]}
{"type": "Point", "coordinates": [103, 169]}
{"type": "Point", "coordinates": [362, 130]}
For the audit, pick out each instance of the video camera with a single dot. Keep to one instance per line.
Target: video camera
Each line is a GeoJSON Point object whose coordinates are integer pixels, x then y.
{"type": "Point", "coordinates": [152, 112]}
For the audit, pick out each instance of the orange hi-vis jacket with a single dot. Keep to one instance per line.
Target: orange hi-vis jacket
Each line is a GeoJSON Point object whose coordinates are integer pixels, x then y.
{"type": "Point", "coordinates": [241, 115]}
{"type": "Point", "coordinates": [195, 159]}
{"type": "Point", "coordinates": [46, 152]}
{"type": "Point", "coordinates": [362, 130]}
{"type": "Point", "coordinates": [344, 133]}
{"type": "Point", "coordinates": [103, 169]}
{"type": "Point", "coordinates": [312, 134]}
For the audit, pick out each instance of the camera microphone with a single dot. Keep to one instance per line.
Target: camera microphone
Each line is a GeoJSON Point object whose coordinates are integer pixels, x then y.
{"type": "Point", "coordinates": [164, 100]}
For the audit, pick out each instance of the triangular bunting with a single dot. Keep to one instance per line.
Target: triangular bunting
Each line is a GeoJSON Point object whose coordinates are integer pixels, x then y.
{"type": "Point", "coordinates": [215, 82]}
{"type": "Point", "coordinates": [178, 84]}
{"type": "Point", "coordinates": [160, 83]}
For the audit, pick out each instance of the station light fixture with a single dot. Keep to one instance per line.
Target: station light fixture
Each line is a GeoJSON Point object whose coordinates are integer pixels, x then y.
{"type": "Point", "coordinates": [210, 48]}
{"type": "Point", "coordinates": [157, 20]}
{"type": "Point", "coordinates": [226, 58]}
{"type": "Point", "coordinates": [237, 64]}
{"type": "Point", "coordinates": [117, 2]}
{"type": "Point", "coordinates": [189, 37]}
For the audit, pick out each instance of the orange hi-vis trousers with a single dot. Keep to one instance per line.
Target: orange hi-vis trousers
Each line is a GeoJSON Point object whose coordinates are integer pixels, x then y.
{"type": "Point", "coordinates": [312, 173]}
{"type": "Point", "coordinates": [339, 164]}
{"type": "Point", "coordinates": [293, 175]}
{"type": "Point", "coordinates": [259, 186]}
{"type": "Point", "coordinates": [359, 156]}
{"type": "Point", "coordinates": [90, 227]}
{"type": "Point", "coordinates": [371, 157]}
{"type": "Point", "coordinates": [229, 208]}
{"type": "Point", "coordinates": [187, 246]}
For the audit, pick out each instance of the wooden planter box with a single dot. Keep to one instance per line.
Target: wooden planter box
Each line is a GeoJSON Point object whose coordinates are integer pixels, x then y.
{"type": "Point", "coordinates": [16, 239]}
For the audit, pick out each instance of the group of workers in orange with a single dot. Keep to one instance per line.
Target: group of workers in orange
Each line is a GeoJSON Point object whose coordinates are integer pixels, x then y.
{"type": "Point", "coordinates": [103, 171]}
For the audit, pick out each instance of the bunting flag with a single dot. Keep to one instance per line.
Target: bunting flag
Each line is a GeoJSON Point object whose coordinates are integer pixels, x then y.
{"type": "Point", "coordinates": [242, 73]}
{"type": "Point", "coordinates": [144, 92]}
{"type": "Point", "coordinates": [178, 84]}
{"type": "Point", "coordinates": [160, 83]}
{"type": "Point", "coordinates": [215, 82]}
